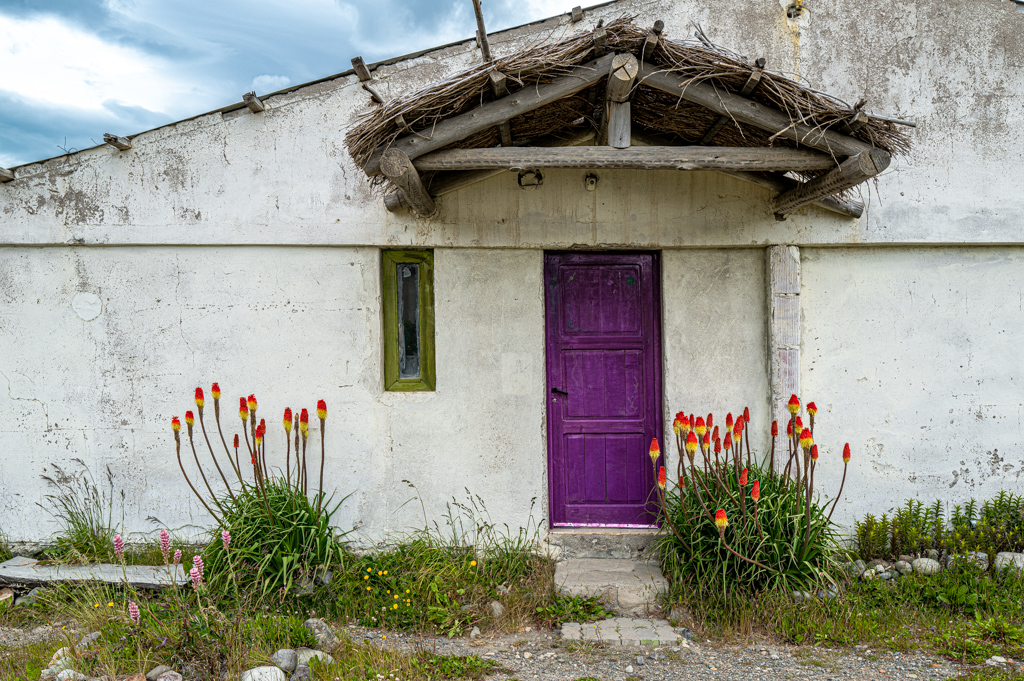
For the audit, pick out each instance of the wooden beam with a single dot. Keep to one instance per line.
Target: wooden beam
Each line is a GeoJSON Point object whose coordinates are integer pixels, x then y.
{"type": "Point", "coordinates": [374, 95]}
{"type": "Point", "coordinates": [499, 88]}
{"type": "Point", "coordinates": [253, 102]}
{"type": "Point", "coordinates": [777, 182]}
{"type": "Point", "coordinates": [6, 175]}
{"type": "Point", "coordinates": [577, 14]}
{"type": "Point", "coordinates": [784, 327]}
{"type": "Point", "coordinates": [752, 82]}
{"type": "Point", "coordinates": [854, 123]}
{"type": "Point", "coordinates": [600, 41]}
{"type": "Point", "coordinates": [362, 72]}
{"type": "Point", "coordinates": [750, 112]}
{"type": "Point", "coordinates": [121, 143]}
{"type": "Point", "coordinates": [397, 167]}
{"type": "Point", "coordinates": [643, 158]}
{"type": "Point", "coordinates": [491, 114]}
{"type": "Point", "coordinates": [616, 124]}
{"type": "Point", "coordinates": [850, 172]}
{"type": "Point", "coordinates": [652, 39]}
{"type": "Point", "coordinates": [481, 31]}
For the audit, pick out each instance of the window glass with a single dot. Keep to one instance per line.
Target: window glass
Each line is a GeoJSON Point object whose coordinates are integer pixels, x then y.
{"type": "Point", "coordinates": [408, 320]}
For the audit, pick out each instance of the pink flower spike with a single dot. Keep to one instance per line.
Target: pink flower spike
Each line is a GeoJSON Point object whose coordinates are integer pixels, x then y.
{"type": "Point", "coordinates": [177, 557]}
{"type": "Point", "coordinates": [133, 612]}
{"type": "Point", "coordinates": [165, 545]}
{"type": "Point", "coordinates": [119, 548]}
{"type": "Point", "coordinates": [197, 579]}
{"type": "Point", "coordinates": [225, 537]}
{"type": "Point", "coordinates": [197, 561]}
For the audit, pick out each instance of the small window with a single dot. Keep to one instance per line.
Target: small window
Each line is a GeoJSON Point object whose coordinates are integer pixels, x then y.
{"type": "Point", "coordinates": [408, 319]}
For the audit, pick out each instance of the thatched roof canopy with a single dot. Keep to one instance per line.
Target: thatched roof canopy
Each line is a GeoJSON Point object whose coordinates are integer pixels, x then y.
{"type": "Point", "coordinates": [665, 105]}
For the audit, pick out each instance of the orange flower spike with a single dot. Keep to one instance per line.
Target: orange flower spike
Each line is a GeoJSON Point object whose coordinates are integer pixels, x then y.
{"type": "Point", "coordinates": [677, 424]}
{"type": "Point", "coordinates": [321, 410]}
{"type": "Point", "coordinates": [287, 421]}
{"type": "Point", "coordinates": [243, 409]}
{"type": "Point", "coordinates": [304, 422]}
{"type": "Point", "coordinates": [684, 425]}
{"type": "Point", "coordinates": [728, 441]}
{"type": "Point", "coordinates": [691, 443]}
{"type": "Point", "coordinates": [655, 450]}
{"type": "Point", "coordinates": [806, 441]}
{"type": "Point", "coordinates": [682, 482]}
{"type": "Point", "coordinates": [775, 428]}
{"type": "Point", "coordinates": [692, 423]}
{"type": "Point", "coordinates": [812, 408]}
{"type": "Point", "coordinates": [700, 427]}
{"type": "Point", "coordinates": [846, 454]}
{"type": "Point", "coordinates": [199, 399]}
{"type": "Point", "coordinates": [718, 446]}
{"type": "Point", "coordinates": [789, 429]}
{"type": "Point", "coordinates": [175, 424]}
{"type": "Point", "coordinates": [728, 421]}
{"type": "Point", "coordinates": [707, 422]}
{"type": "Point", "coordinates": [794, 404]}
{"type": "Point", "coordinates": [814, 452]}
{"type": "Point", "coordinates": [189, 420]}
{"type": "Point", "coordinates": [743, 477]}
{"type": "Point", "coordinates": [755, 490]}
{"type": "Point", "coordinates": [661, 477]}
{"type": "Point", "coordinates": [251, 403]}
{"type": "Point", "coordinates": [236, 440]}
{"type": "Point", "coordinates": [259, 435]}
{"type": "Point", "coordinates": [721, 521]}
{"type": "Point", "coordinates": [263, 426]}
{"type": "Point", "coordinates": [746, 414]}
{"type": "Point", "coordinates": [706, 441]}
{"type": "Point", "coordinates": [737, 429]}
{"type": "Point", "coordinates": [714, 435]}
{"type": "Point", "coordinates": [215, 391]}
{"type": "Point", "coordinates": [799, 422]}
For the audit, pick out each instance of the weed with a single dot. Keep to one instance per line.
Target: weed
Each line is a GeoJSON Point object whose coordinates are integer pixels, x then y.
{"type": "Point", "coordinates": [570, 609]}
{"type": "Point", "coordinates": [5, 548]}
{"type": "Point", "coordinates": [84, 512]}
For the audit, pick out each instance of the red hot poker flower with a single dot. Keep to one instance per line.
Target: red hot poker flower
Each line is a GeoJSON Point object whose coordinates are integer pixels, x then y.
{"type": "Point", "coordinates": [287, 420]}
{"type": "Point", "coordinates": [789, 429]}
{"type": "Point", "coordinates": [682, 481]}
{"type": "Point", "coordinates": [677, 422]}
{"type": "Point", "coordinates": [655, 450]}
{"type": "Point", "coordinates": [215, 391]}
{"type": "Point", "coordinates": [684, 426]}
{"type": "Point", "coordinates": [718, 446]}
{"type": "Point", "coordinates": [743, 477]}
{"type": "Point", "coordinates": [799, 422]}
{"type": "Point", "coordinates": [199, 398]}
{"type": "Point", "coordinates": [259, 435]}
{"type": "Point", "coordinates": [251, 403]}
{"type": "Point", "coordinates": [721, 521]}
{"type": "Point", "coordinates": [794, 404]}
{"type": "Point", "coordinates": [692, 422]}
{"type": "Point", "coordinates": [321, 409]}
{"type": "Point", "coordinates": [304, 422]}
{"type": "Point", "coordinates": [706, 441]}
{"type": "Point", "coordinates": [846, 453]}
{"type": "Point", "coordinates": [814, 452]}
{"type": "Point", "coordinates": [728, 421]}
{"type": "Point", "coordinates": [189, 418]}
{"type": "Point", "coordinates": [691, 442]}
{"type": "Point", "coordinates": [243, 409]}
{"type": "Point", "coordinates": [236, 440]}
{"type": "Point", "coordinates": [661, 477]}
{"type": "Point", "coordinates": [175, 424]}
{"type": "Point", "coordinates": [700, 427]}
{"type": "Point", "coordinates": [812, 408]}
{"type": "Point", "coordinates": [775, 428]}
{"type": "Point", "coordinates": [755, 490]}
{"type": "Point", "coordinates": [707, 421]}
{"type": "Point", "coordinates": [805, 439]}
{"type": "Point", "coordinates": [728, 441]}
{"type": "Point", "coordinates": [746, 414]}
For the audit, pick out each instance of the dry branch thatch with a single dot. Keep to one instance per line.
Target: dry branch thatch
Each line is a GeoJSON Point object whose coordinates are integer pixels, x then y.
{"type": "Point", "coordinates": [654, 111]}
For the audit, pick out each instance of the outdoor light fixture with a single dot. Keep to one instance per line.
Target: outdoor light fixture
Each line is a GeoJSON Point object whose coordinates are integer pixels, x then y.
{"type": "Point", "coordinates": [590, 182]}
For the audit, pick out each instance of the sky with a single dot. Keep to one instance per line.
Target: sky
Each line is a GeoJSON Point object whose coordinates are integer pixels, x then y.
{"type": "Point", "coordinates": [71, 70]}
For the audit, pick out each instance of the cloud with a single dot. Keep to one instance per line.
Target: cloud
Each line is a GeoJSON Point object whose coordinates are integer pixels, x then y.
{"type": "Point", "coordinates": [266, 83]}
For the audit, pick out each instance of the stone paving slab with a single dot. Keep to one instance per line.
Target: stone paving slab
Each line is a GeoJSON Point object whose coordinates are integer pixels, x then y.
{"type": "Point", "coordinates": [27, 572]}
{"type": "Point", "coordinates": [622, 631]}
{"type": "Point", "coordinates": [627, 586]}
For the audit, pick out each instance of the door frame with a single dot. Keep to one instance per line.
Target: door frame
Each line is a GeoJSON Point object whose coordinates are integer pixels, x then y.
{"type": "Point", "coordinates": [657, 378]}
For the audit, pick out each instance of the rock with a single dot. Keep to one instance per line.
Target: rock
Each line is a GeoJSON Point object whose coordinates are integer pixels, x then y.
{"type": "Point", "coordinates": [156, 672]}
{"type": "Point", "coordinates": [1007, 559]}
{"type": "Point", "coordinates": [262, 674]}
{"type": "Point", "coordinates": [801, 596]}
{"type": "Point", "coordinates": [304, 655]}
{"type": "Point", "coordinates": [904, 567]}
{"type": "Point", "coordinates": [629, 669]}
{"type": "Point", "coordinates": [996, 661]}
{"type": "Point", "coordinates": [136, 677]}
{"type": "Point", "coordinates": [286, 658]}
{"type": "Point", "coordinates": [325, 638]}
{"type": "Point", "coordinates": [856, 568]}
{"type": "Point", "coordinates": [640, 660]}
{"type": "Point", "coordinates": [30, 598]}
{"type": "Point", "coordinates": [475, 633]}
{"type": "Point", "coordinates": [877, 562]}
{"type": "Point", "coordinates": [87, 641]}
{"type": "Point", "coordinates": [502, 589]}
{"type": "Point", "coordinates": [869, 575]}
{"type": "Point", "coordinates": [527, 655]}
{"type": "Point", "coordinates": [497, 609]}
{"type": "Point", "coordinates": [881, 568]}
{"type": "Point", "coordinates": [906, 559]}
{"type": "Point", "coordinates": [71, 675]}
{"type": "Point", "coordinates": [169, 676]}
{"type": "Point", "coordinates": [884, 576]}
{"type": "Point", "coordinates": [302, 673]}
{"type": "Point", "coordinates": [6, 598]}
{"type": "Point", "coordinates": [978, 557]}
{"type": "Point", "coordinates": [926, 566]}
{"type": "Point", "coordinates": [327, 577]}
{"type": "Point", "coordinates": [60, 655]}
{"type": "Point", "coordinates": [933, 554]}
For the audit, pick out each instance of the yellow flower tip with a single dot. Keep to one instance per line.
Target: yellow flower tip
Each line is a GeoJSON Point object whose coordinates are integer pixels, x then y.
{"type": "Point", "coordinates": [385, 572]}
{"type": "Point", "coordinates": [472, 563]}
{"type": "Point", "coordinates": [366, 576]}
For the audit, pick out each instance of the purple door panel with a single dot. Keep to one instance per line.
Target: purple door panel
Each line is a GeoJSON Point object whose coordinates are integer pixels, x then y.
{"type": "Point", "coordinates": [604, 386]}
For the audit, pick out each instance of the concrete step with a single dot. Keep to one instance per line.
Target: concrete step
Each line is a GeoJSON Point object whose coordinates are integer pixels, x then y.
{"type": "Point", "coordinates": [600, 543]}
{"type": "Point", "coordinates": [629, 587]}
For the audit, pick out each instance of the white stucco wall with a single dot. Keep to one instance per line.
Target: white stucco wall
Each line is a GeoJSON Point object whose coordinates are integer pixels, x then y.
{"type": "Point", "coordinates": [913, 356]}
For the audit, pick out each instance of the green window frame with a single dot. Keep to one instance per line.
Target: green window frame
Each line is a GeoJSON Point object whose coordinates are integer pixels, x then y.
{"type": "Point", "coordinates": [421, 377]}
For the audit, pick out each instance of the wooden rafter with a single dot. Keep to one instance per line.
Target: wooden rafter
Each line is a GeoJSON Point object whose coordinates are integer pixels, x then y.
{"type": "Point", "coordinates": [752, 82]}
{"type": "Point", "coordinates": [850, 173]}
{"type": "Point", "coordinates": [493, 113]}
{"type": "Point", "coordinates": [616, 124]}
{"type": "Point", "coordinates": [399, 169]}
{"type": "Point", "coordinates": [643, 158]}
{"type": "Point", "coordinates": [747, 111]}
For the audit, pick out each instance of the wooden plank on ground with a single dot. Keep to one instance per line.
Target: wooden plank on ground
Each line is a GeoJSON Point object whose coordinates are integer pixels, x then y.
{"type": "Point", "coordinates": [29, 573]}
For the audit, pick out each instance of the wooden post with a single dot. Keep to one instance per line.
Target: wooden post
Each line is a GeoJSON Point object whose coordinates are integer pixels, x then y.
{"type": "Point", "coordinates": [783, 287]}
{"type": "Point", "coordinates": [6, 175]}
{"type": "Point", "coordinates": [850, 172]}
{"type": "Point", "coordinates": [600, 41]}
{"type": "Point", "coordinates": [481, 32]}
{"type": "Point", "coordinates": [499, 88]}
{"type": "Point", "coordinates": [652, 39]}
{"type": "Point", "coordinates": [577, 14]}
{"type": "Point", "coordinates": [362, 72]}
{"type": "Point", "coordinates": [617, 120]}
{"type": "Point", "coordinates": [253, 102]}
{"type": "Point", "coordinates": [121, 143]}
{"type": "Point", "coordinates": [752, 82]}
{"type": "Point", "coordinates": [397, 167]}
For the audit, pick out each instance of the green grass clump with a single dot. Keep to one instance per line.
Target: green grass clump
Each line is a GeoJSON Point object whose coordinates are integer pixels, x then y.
{"type": "Point", "coordinates": [84, 512]}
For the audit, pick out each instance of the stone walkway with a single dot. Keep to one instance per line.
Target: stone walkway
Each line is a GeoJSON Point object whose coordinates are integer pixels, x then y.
{"type": "Point", "coordinates": [623, 631]}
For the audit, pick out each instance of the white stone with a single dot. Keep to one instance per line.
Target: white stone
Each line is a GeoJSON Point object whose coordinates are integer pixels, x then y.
{"type": "Point", "coordinates": [629, 669]}
{"type": "Point", "coordinates": [926, 566]}
{"type": "Point", "coordinates": [1006, 559]}
{"type": "Point", "coordinates": [475, 633]}
{"type": "Point", "coordinates": [904, 567]}
{"type": "Point", "coordinates": [71, 675]}
{"type": "Point", "coordinates": [497, 609]}
{"type": "Point", "coordinates": [262, 674]}
{"type": "Point", "coordinates": [286, 659]}
{"type": "Point", "coordinates": [304, 655]}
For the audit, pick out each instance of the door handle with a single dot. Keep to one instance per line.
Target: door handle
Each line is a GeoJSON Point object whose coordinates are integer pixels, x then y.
{"type": "Point", "coordinates": [559, 392]}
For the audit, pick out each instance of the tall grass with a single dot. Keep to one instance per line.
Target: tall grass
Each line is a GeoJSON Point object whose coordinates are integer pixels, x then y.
{"type": "Point", "coordinates": [84, 512]}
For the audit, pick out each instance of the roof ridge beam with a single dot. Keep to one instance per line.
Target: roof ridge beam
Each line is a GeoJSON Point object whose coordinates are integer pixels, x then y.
{"type": "Point", "coordinates": [488, 115]}
{"type": "Point", "coordinates": [747, 111]}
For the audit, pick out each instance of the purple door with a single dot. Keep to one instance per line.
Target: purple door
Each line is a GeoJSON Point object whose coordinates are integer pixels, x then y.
{"type": "Point", "coordinates": [604, 386]}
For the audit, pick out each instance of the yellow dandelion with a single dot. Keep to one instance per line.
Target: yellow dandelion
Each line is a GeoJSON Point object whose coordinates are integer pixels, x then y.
{"type": "Point", "coordinates": [472, 563]}
{"type": "Point", "coordinates": [379, 573]}
{"type": "Point", "coordinates": [385, 572]}
{"type": "Point", "coordinates": [96, 605]}
{"type": "Point", "coordinates": [369, 589]}
{"type": "Point", "coordinates": [369, 569]}
{"type": "Point", "coordinates": [406, 591]}
{"type": "Point", "coordinates": [396, 597]}
{"type": "Point", "coordinates": [110, 604]}
{"type": "Point", "coordinates": [389, 590]}
{"type": "Point", "coordinates": [366, 576]}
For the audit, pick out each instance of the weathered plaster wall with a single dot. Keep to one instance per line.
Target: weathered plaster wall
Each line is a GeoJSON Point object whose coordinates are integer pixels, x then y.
{"type": "Point", "coordinates": [913, 357]}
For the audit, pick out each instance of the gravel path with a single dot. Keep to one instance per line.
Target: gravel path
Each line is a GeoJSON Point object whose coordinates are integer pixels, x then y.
{"type": "Point", "coordinates": [540, 655]}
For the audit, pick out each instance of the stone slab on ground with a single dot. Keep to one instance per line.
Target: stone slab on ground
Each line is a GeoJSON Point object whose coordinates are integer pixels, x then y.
{"type": "Point", "coordinates": [27, 573]}
{"type": "Point", "coordinates": [622, 631]}
{"type": "Point", "coordinates": [628, 587]}
{"type": "Point", "coordinates": [603, 543]}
